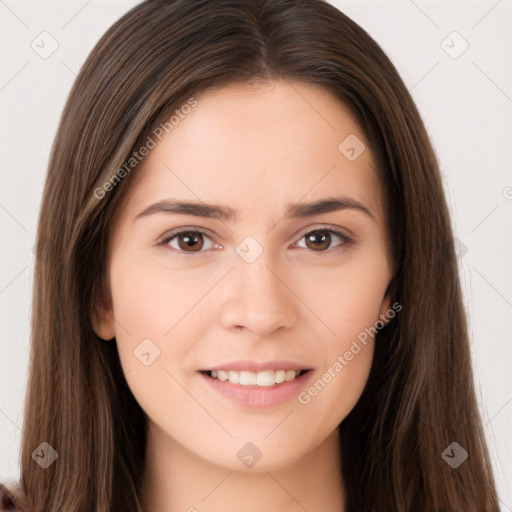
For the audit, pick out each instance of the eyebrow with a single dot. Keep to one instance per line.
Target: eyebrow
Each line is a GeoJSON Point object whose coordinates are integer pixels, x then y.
{"type": "Point", "coordinates": [221, 212]}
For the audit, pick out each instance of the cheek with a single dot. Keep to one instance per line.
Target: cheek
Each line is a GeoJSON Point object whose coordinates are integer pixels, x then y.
{"type": "Point", "coordinates": [158, 311]}
{"type": "Point", "coordinates": [346, 361]}
{"type": "Point", "coordinates": [349, 303]}
{"type": "Point", "coordinates": [149, 299]}
{"type": "Point", "coordinates": [144, 308]}
{"type": "Point", "coordinates": [154, 315]}
{"type": "Point", "coordinates": [347, 298]}
{"type": "Point", "coordinates": [337, 387]}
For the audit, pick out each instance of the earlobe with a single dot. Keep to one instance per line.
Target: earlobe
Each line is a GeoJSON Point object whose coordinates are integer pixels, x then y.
{"type": "Point", "coordinates": [102, 317]}
{"type": "Point", "coordinates": [388, 295]}
{"type": "Point", "coordinates": [386, 304]}
{"type": "Point", "coordinates": [103, 324]}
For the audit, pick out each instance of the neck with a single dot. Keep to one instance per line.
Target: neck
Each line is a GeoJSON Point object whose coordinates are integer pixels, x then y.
{"type": "Point", "coordinates": [177, 480]}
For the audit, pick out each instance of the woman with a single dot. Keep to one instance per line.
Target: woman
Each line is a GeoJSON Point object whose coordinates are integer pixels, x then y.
{"type": "Point", "coordinates": [249, 295]}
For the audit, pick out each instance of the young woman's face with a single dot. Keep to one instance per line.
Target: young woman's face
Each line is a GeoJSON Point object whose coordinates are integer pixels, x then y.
{"type": "Point", "coordinates": [256, 290]}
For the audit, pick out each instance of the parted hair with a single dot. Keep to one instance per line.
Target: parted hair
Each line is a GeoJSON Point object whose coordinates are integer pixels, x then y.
{"type": "Point", "coordinates": [419, 397]}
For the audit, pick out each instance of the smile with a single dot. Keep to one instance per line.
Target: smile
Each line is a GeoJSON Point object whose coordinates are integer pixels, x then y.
{"type": "Point", "coordinates": [265, 378]}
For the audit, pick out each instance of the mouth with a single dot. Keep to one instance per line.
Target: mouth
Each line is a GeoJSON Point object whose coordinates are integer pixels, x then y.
{"type": "Point", "coordinates": [264, 378]}
{"type": "Point", "coordinates": [257, 384]}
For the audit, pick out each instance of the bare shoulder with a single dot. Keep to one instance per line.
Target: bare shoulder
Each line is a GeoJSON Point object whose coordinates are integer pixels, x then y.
{"type": "Point", "coordinates": [11, 498]}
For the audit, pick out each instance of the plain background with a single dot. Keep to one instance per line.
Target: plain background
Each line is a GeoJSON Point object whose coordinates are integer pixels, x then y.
{"type": "Point", "coordinates": [465, 101]}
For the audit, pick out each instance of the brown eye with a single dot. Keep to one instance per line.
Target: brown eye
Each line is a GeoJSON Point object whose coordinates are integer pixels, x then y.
{"type": "Point", "coordinates": [318, 240]}
{"type": "Point", "coordinates": [321, 239]}
{"type": "Point", "coordinates": [188, 241]}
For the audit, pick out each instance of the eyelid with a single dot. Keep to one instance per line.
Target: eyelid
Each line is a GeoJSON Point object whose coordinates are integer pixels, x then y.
{"type": "Point", "coordinates": [176, 231]}
{"type": "Point", "coordinates": [169, 235]}
{"type": "Point", "coordinates": [343, 233]}
{"type": "Point", "coordinates": [166, 237]}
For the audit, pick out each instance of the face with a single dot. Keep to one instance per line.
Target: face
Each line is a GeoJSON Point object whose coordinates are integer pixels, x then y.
{"type": "Point", "coordinates": [262, 289]}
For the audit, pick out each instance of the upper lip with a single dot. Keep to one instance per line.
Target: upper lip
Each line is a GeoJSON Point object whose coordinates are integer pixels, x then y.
{"type": "Point", "coordinates": [253, 366]}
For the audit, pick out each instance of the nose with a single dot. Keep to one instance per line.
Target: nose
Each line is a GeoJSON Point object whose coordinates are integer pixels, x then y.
{"type": "Point", "coordinates": [259, 298]}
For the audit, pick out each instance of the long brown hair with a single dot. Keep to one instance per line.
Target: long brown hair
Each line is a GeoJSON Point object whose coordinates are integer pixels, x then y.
{"type": "Point", "coordinates": [419, 397]}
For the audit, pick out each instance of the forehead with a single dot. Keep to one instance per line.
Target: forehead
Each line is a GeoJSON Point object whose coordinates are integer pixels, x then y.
{"type": "Point", "coordinates": [253, 145]}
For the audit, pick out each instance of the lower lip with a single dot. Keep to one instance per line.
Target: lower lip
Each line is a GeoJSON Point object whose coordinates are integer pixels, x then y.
{"type": "Point", "coordinates": [259, 397]}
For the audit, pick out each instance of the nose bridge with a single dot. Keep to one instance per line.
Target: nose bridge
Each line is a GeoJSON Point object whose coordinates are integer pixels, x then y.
{"type": "Point", "coordinates": [258, 296]}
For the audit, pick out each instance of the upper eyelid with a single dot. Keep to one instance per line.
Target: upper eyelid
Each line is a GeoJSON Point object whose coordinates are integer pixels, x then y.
{"type": "Point", "coordinates": [196, 229]}
{"type": "Point", "coordinates": [186, 229]}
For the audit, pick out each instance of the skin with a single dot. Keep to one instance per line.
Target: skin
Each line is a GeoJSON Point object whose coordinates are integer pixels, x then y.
{"type": "Point", "coordinates": [255, 149]}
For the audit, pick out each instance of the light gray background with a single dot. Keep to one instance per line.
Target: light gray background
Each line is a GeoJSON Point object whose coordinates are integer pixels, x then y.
{"type": "Point", "coordinates": [466, 103]}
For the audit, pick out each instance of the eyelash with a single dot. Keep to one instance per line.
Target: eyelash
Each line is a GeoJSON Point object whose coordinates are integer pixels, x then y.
{"type": "Point", "coordinates": [176, 232]}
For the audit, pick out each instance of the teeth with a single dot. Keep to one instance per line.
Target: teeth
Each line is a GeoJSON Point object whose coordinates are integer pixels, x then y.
{"type": "Point", "coordinates": [222, 375]}
{"type": "Point", "coordinates": [264, 378]}
{"type": "Point", "coordinates": [247, 378]}
{"type": "Point", "coordinates": [289, 375]}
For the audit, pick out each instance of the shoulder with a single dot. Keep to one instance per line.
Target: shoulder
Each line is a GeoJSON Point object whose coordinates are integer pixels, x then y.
{"type": "Point", "coordinates": [11, 498]}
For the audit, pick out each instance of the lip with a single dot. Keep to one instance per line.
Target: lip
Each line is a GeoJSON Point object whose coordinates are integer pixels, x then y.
{"type": "Point", "coordinates": [258, 397]}
{"type": "Point", "coordinates": [253, 366]}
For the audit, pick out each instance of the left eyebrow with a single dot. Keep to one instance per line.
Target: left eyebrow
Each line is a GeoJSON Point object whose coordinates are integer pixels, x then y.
{"type": "Point", "coordinates": [221, 212]}
{"type": "Point", "coordinates": [298, 210]}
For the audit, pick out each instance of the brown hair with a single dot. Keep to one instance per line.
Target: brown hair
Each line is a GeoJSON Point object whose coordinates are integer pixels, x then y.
{"type": "Point", "coordinates": [419, 397]}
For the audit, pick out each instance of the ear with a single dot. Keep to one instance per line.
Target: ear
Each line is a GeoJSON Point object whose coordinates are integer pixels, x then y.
{"type": "Point", "coordinates": [386, 301]}
{"type": "Point", "coordinates": [103, 323]}
{"type": "Point", "coordinates": [102, 318]}
{"type": "Point", "coordinates": [386, 304]}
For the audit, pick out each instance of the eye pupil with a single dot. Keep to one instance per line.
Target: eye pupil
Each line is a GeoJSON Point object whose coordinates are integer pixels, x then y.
{"type": "Point", "coordinates": [318, 237]}
{"type": "Point", "coordinates": [188, 239]}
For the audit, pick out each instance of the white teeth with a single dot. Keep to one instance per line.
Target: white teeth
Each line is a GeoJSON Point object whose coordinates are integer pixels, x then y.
{"type": "Point", "coordinates": [290, 375]}
{"type": "Point", "coordinates": [264, 378]}
{"type": "Point", "coordinates": [222, 375]}
{"type": "Point", "coordinates": [247, 378]}
{"type": "Point", "coordinates": [279, 377]}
